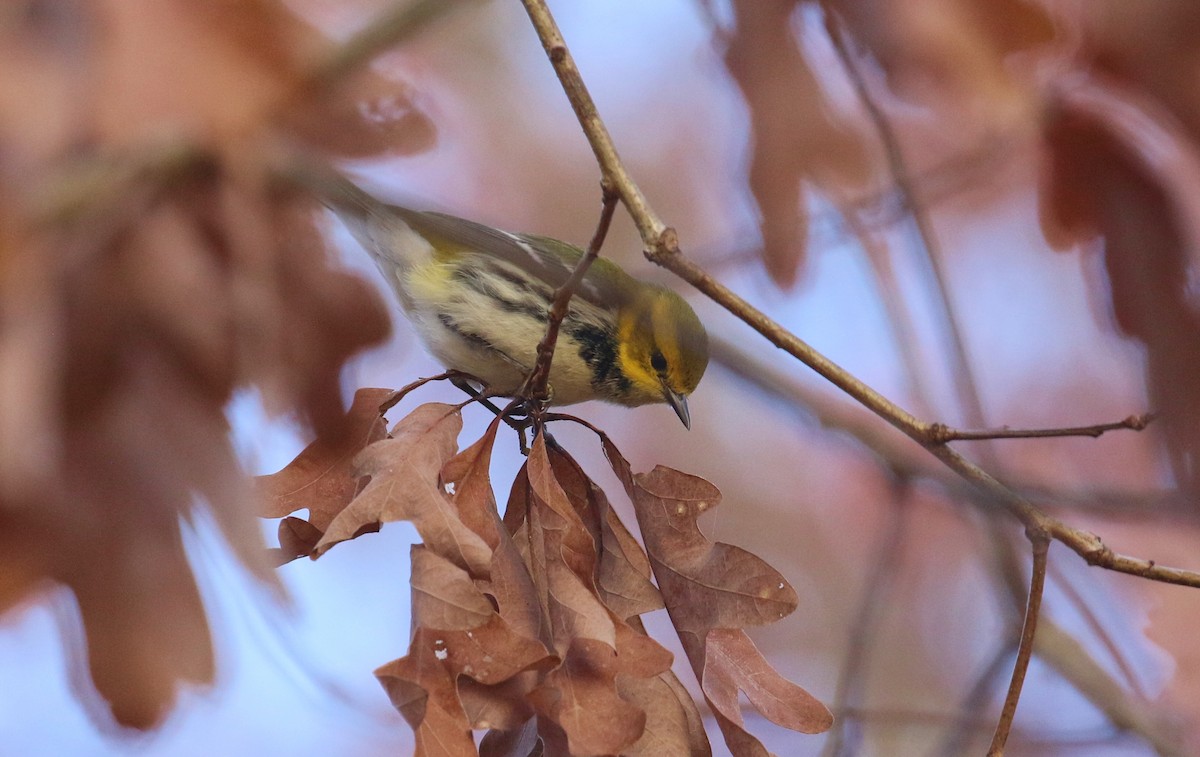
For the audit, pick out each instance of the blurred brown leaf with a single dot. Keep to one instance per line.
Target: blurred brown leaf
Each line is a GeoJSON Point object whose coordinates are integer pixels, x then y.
{"type": "Point", "coordinates": [1105, 176]}
{"type": "Point", "coordinates": [231, 66]}
{"type": "Point", "coordinates": [132, 324]}
{"type": "Point", "coordinates": [950, 52]}
{"type": "Point", "coordinates": [795, 137]}
{"type": "Point", "coordinates": [150, 264]}
{"type": "Point", "coordinates": [1153, 54]}
{"type": "Point", "coordinates": [297, 538]}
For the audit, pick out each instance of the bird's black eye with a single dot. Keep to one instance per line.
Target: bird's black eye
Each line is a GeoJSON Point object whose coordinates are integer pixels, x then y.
{"type": "Point", "coordinates": [658, 362]}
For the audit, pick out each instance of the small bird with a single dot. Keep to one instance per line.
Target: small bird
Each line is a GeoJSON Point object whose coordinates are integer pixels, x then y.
{"type": "Point", "coordinates": [479, 298]}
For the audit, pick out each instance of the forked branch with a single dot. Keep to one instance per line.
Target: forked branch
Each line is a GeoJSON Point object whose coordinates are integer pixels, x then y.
{"type": "Point", "coordinates": [662, 248]}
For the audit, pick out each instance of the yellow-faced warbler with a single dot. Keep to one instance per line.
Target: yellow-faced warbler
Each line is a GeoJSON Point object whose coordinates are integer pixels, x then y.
{"type": "Point", "coordinates": [479, 299]}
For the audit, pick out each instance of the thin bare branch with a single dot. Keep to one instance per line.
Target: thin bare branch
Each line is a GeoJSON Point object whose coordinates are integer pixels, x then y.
{"type": "Point", "coordinates": [537, 382]}
{"type": "Point", "coordinates": [1055, 646]}
{"type": "Point", "coordinates": [928, 252]}
{"type": "Point", "coordinates": [593, 128]}
{"type": "Point", "coordinates": [844, 735]}
{"type": "Point", "coordinates": [840, 414]}
{"type": "Point", "coordinates": [899, 318]}
{"type": "Point", "coordinates": [1037, 583]}
{"type": "Point", "coordinates": [942, 434]}
{"type": "Point", "coordinates": [924, 236]}
{"type": "Point", "coordinates": [965, 725]}
{"type": "Point", "coordinates": [1071, 659]}
{"type": "Point", "coordinates": [662, 248]}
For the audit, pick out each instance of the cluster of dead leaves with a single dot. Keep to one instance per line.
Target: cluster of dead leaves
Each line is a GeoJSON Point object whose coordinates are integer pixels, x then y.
{"type": "Point", "coordinates": [1102, 92]}
{"type": "Point", "coordinates": [529, 625]}
{"type": "Point", "coordinates": [150, 264]}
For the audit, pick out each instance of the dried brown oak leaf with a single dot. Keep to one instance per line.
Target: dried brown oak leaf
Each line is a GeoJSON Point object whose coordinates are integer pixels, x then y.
{"type": "Point", "coordinates": [795, 136]}
{"type": "Point", "coordinates": [732, 663]}
{"type": "Point", "coordinates": [507, 581]}
{"type": "Point", "coordinates": [520, 742]}
{"type": "Point", "coordinates": [406, 485]}
{"type": "Point", "coordinates": [1106, 175]}
{"type": "Point", "coordinates": [712, 591]}
{"type": "Point", "coordinates": [457, 635]}
{"type": "Point", "coordinates": [504, 707]}
{"type": "Point", "coordinates": [585, 712]}
{"type": "Point", "coordinates": [674, 727]}
{"type": "Point", "coordinates": [322, 478]}
{"type": "Point", "coordinates": [622, 574]}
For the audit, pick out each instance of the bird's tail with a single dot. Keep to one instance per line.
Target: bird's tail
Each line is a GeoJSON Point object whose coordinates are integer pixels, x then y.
{"type": "Point", "coordinates": [347, 199]}
{"type": "Point", "coordinates": [383, 230]}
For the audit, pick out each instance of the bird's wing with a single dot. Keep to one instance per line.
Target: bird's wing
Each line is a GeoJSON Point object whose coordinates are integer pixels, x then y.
{"type": "Point", "coordinates": [544, 258]}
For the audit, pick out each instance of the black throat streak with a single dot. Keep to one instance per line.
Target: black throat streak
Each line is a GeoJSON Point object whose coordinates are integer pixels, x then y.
{"type": "Point", "coordinates": [598, 348]}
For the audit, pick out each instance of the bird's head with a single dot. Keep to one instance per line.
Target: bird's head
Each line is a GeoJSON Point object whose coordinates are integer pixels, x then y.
{"type": "Point", "coordinates": [662, 348]}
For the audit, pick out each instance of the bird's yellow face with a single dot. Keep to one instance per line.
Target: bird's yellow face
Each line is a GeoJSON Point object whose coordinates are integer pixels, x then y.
{"type": "Point", "coordinates": [663, 348]}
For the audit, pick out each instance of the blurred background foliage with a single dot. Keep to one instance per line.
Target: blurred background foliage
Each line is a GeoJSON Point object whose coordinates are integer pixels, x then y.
{"type": "Point", "coordinates": [987, 210]}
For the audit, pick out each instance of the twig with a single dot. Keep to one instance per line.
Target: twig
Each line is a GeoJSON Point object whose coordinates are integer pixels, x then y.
{"type": "Point", "coordinates": [1099, 629]}
{"type": "Point", "coordinates": [648, 223]}
{"type": "Point", "coordinates": [1116, 504]}
{"type": "Point", "coordinates": [962, 730]}
{"type": "Point", "coordinates": [1037, 583]}
{"type": "Point", "coordinates": [1003, 550]}
{"type": "Point", "coordinates": [926, 238]}
{"type": "Point", "coordinates": [878, 584]}
{"type": "Point", "coordinates": [536, 384]}
{"type": "Point", "coordinates": [662, 248]}
{"type": "Point", "coordinates": [899, 318]}
{"type": "Point", "coordinates": [828, 409]}
{"type": "Point", "coordinates": [394, 398]}
{"type": "Point", "coordinates": [841, 415]}
{"type": "Point", "coordinates": [1054, 645]}
{"type": "Point", "coordinates": [965, 380]}
{"type": "Point", "coordinates": [1070, 659]}
{"type": "Point", "coordinates": [1072, 740]}
{"type": "Point", "coordinates": [942, 434]}
{"type": "Point", "coordinates": [1088, 546]}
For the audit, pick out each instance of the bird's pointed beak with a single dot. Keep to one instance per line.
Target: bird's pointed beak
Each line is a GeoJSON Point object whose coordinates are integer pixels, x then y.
{"type": "Point", "coordinates": [678, 403]}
